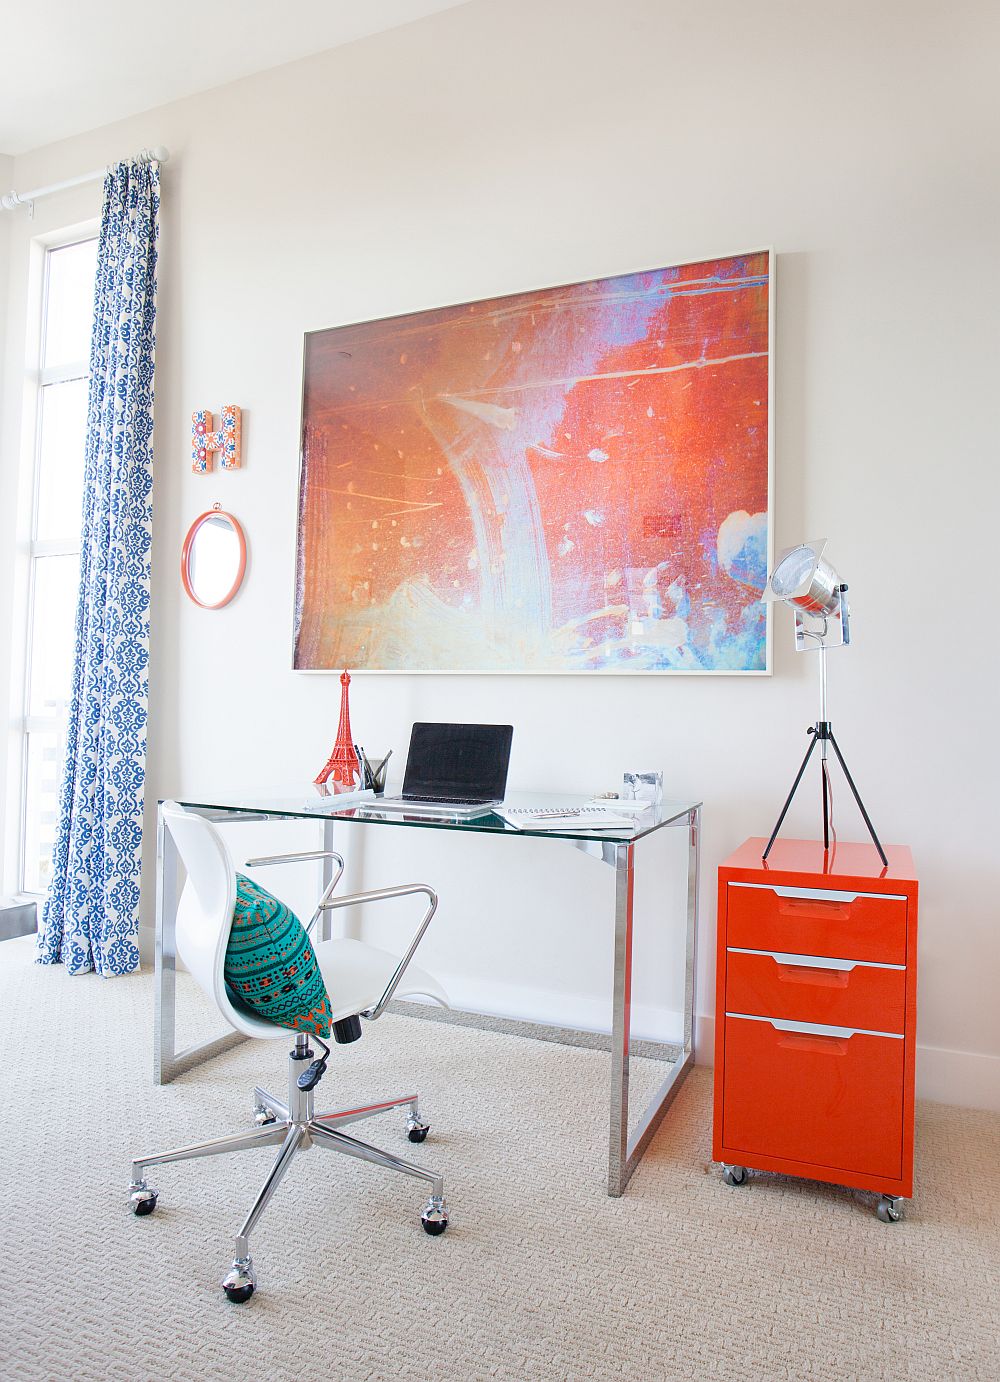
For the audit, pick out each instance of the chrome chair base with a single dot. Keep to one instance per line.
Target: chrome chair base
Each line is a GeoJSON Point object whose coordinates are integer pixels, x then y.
{"type": "Point", "coordinates": [296, 1127]}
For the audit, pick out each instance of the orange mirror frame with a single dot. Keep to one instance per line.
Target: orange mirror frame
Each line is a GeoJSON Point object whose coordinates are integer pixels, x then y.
{"type": "Point", "coordinates": [188, 552]}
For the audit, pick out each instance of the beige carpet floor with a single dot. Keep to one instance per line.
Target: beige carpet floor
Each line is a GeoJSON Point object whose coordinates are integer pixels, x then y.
{"type": "Point", "coordinates": [540, 1276]}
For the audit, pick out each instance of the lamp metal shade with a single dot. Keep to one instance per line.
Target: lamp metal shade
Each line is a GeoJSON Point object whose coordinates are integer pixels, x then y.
{"type": "Point", "coordinates": [803, 578]}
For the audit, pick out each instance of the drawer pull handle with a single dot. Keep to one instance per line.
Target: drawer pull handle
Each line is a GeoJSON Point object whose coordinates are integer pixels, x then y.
{"type": "Point", "coordinates": [787, 957]}
{"type": "Point", "coordinates": [834, 894]}
{"type": "Point", "coordinates": [828, 896]}
{"type": "Point", "coordinates": [814, 962]}
{"type": "Point", "coordinates": [814, 1028]}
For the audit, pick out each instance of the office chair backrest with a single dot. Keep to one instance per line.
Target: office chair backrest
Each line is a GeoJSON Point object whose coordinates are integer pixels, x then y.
{"type": "Point", "coordinates": [205, 914]}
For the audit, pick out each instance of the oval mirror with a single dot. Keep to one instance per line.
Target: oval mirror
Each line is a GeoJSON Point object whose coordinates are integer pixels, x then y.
{"type": "Point", "coordinates": [214, 559]}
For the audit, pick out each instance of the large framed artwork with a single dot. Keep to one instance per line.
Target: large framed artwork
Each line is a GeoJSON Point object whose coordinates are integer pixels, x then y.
{"type": "Point", "coordinates": [575, 479]}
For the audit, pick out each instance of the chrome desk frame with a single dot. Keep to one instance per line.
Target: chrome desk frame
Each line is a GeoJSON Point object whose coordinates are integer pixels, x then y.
{"type": "Point", "coordinates": [624, 1150]}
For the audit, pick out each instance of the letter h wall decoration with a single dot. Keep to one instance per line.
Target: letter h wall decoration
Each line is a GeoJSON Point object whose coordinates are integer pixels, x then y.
{"type": "Point", "coordinates": [205, 441]}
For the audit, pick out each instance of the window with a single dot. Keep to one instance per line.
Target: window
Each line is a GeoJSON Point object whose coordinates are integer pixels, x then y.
{"type": "Point", "coordinates": [53, 552]}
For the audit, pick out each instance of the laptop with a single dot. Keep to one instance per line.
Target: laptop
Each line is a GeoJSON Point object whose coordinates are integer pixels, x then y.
{"type": "Point", "coordinates": [453, 770]}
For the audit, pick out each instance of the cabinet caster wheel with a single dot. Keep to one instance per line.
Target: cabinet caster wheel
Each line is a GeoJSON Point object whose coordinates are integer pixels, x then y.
{"type": "Point", "coordinates": [416, 1131]}
{"type": "Point", "coordinates": [142, 1199]}
{"type": "Point", "coordinates": [262, 1116]}
{"type": "Point", "coordinates": [240, 1281]}
{"type": "Point", "coordinates": [889, 1210]}
{"type": "Point", "coordinates": [734, 1175]}
{"type": "Point", "coordinates": [434, 1216]}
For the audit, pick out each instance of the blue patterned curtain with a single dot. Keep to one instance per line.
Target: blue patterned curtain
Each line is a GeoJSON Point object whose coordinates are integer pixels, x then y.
{"type": "Point", "coordinates": [91, 916]}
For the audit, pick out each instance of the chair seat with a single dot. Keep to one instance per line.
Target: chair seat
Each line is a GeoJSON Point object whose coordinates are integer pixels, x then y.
{"type": "Point", "coordinates": [356, 974]}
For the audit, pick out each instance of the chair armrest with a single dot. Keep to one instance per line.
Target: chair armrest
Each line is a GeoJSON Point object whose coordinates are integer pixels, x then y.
{"type": "Point", "coordinates": [295, 858]}
{"type": "Point", "coordinates": [379, 895]}
{"type": "Point", "coordinates": [301, 858]}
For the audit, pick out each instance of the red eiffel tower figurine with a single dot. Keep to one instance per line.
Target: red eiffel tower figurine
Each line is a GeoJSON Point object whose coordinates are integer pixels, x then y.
{"type": "Point", "coordinates": [342, 768]}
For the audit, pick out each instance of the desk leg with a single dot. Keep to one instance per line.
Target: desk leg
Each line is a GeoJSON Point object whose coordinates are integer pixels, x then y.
{"type": "Point", "coordinates": [165, 952]}
{"type": "Point", "coordinates": [326, 917]}
{"type": "Point", "coordinates": [626, 1151]}
{"type": "Point", "coordinates": [694, 872]}
{"type": "Point", "coordinates": [168, 1062]}
{"type": "Point", "coordinates": [621, 1020]}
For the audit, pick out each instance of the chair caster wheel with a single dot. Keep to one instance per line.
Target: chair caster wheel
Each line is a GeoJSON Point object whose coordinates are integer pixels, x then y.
{"type": "Point", "coordinates": [142, 1199]}
{"type": "Point", "coordinates": [417, 1132]}
{"type": "Point", "coordinates": [262, 1116]}
{"type": "Point", "coordinates": [240, 1281]}
{"type": "Point", "coordinates": [889, 1209]}
{"type": "Point", "coordinates": [434, 1216]}
{"type": "Point", "coordinates": [734, 1175]}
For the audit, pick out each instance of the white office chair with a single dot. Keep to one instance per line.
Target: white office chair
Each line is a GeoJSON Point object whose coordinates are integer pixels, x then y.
{"type": "Point", "coordinates": [360, 981]}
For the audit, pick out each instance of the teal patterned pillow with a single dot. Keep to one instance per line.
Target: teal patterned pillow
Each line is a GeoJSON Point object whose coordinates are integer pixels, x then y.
{"type": "Point", "coordinates": [270, 963]}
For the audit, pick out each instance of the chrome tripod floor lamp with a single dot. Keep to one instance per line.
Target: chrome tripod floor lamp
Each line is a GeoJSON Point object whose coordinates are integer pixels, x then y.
{"type": "Point", "coordinates": [809, 584]}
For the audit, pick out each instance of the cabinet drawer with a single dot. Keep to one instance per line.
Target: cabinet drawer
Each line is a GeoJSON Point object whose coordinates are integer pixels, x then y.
{"type": "Point", "coordinates": [816, 921]}
{"type": "Point", "coordinates": [828, 1100]}
{"type": "Point", "coordinates": [805, 989]}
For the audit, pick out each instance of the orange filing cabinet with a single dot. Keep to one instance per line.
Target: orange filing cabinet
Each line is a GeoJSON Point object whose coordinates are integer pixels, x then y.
{"type": "Point", "coordinates": [816, 1009]}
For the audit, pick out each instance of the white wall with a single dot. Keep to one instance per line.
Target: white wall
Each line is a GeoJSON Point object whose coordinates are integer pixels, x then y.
{"type": "Point", "coordinates": [505, 145]}
{"type": "Point", "coordinates": [6, 176]}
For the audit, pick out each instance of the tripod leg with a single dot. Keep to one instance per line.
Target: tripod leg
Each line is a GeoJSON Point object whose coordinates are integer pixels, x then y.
{"type": "Point", "coordinates": [857, 798]}
{"type": "Point", "coordinates": [826, 809]}
{"type": "Point", "coordinates": [788, 799]}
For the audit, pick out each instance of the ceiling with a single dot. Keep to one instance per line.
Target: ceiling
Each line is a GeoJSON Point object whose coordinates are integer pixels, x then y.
{"type": "Point", "coordinates": [73, 65]}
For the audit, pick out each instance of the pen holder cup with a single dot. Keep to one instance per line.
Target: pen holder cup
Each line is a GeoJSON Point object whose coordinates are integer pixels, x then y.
{"type": "Point", "coordinates": [373, 773]}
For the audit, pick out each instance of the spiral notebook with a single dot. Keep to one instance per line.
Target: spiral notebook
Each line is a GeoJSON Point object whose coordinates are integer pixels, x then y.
{"type": "Point", "coordinates": [562, 817]}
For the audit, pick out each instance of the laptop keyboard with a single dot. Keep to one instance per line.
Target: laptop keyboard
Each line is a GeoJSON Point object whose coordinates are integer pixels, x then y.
{"type": "Point", "coordinates": [445, 801]}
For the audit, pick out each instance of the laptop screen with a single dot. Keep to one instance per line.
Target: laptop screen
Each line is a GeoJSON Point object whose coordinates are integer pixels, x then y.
{"type": "Point", "coordinates": [450, 761]}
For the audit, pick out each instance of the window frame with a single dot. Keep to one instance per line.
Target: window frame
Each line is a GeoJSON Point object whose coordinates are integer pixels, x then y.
{"type": "Point", "coordinates": [31, 548]}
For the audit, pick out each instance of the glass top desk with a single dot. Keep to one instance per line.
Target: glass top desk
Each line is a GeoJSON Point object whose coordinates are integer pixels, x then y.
{"type": "Point", "coordinates": [616, 847]}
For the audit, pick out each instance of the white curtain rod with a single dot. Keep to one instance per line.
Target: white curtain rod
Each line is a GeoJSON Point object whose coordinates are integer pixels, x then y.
{"type": "Point", "coordinates": [12, 200]}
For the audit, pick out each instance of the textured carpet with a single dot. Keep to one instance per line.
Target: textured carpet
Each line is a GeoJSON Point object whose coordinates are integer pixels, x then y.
{"type": "Point", "coordinates": [539, 1275]}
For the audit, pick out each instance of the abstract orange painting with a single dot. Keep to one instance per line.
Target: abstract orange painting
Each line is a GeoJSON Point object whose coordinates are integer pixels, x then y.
{"type": "Point", "coordinates": [574, 479]}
